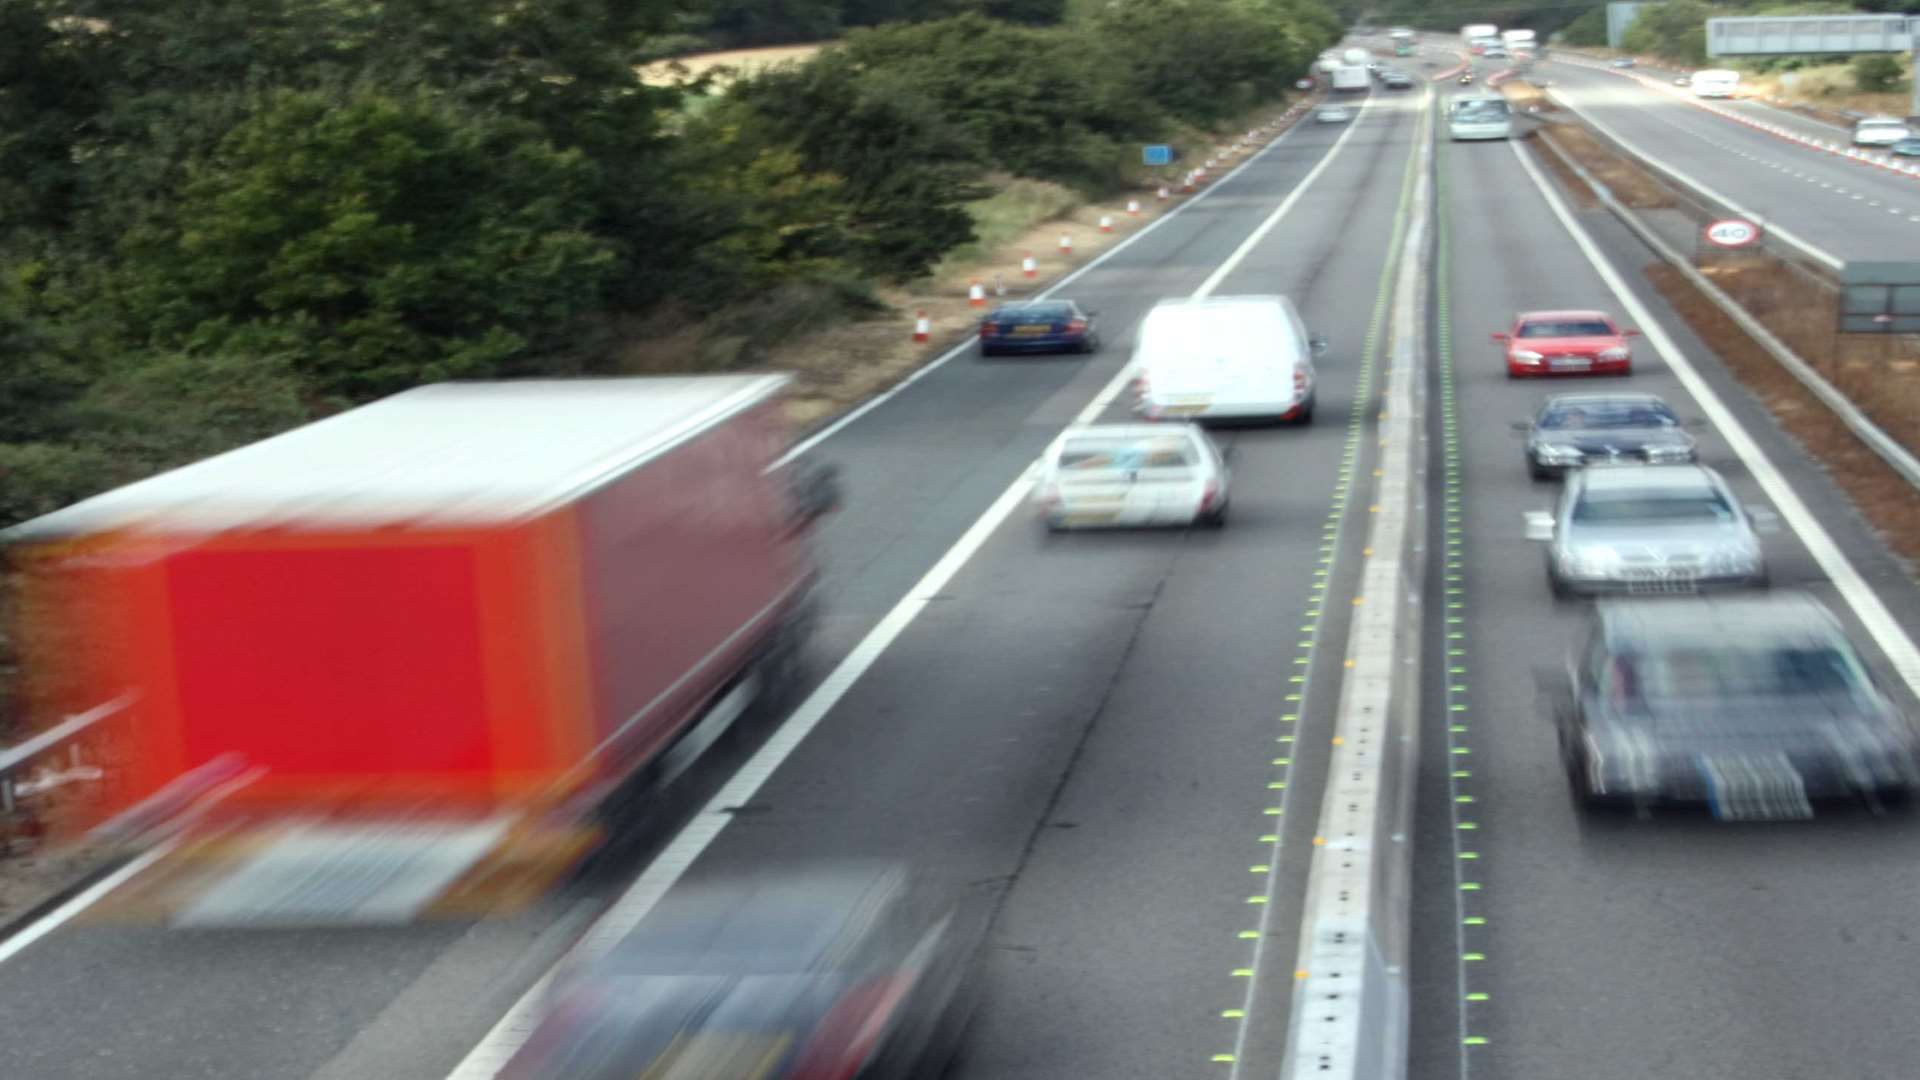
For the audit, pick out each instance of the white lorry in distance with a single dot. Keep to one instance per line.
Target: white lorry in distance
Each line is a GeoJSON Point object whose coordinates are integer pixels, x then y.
{"type": "Point", "coordinates": [1517, 39]}
{"type": "Point", "coordinates": [1473, 32]}
{"type": "Point", "coordinates": [1401, 33]}
{"type": "Point", "coordinates": [1714, 84]}
{"type": "Point", "coordinates": [1349, 77]}
{"type": "Point", "coordinates": [1356, 57]}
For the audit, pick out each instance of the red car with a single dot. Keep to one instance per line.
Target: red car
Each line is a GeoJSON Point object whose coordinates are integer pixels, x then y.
{"type": "Point", "coordinates": [1566, 343]}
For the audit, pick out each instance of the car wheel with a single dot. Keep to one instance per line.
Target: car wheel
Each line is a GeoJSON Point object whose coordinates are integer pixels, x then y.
{"type": "Point", "coordinates": [1306, 411]}
{"type": "Point", "coordinates": [1537, 472]}
{"type": "Point", "coordinates": [1090, 345]}
{"type": "Point", "coordinates": [1215, 518]}
{"type": "Point", "coordinates": [1558, 585]}
{"type": "Point", "coordinates": [984, 351]}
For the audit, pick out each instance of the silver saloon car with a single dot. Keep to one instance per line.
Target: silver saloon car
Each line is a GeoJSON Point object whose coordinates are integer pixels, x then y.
{"type": "Point", "coordinates": [1650, 529]}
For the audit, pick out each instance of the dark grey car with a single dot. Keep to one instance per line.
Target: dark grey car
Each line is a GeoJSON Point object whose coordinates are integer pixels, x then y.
{"type": "Point", "coordinates": [1755, 706]}
{"type": "Point", "coordinates": [1572, 430]}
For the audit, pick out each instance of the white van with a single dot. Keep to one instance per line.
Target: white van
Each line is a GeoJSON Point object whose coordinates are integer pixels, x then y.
{"type": "Point", "coordinates": [1715, 83]}
{"type": "Point", "coordinates": [1225, 357]}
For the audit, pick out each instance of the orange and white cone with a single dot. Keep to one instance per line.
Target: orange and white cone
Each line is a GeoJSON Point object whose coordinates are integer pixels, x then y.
{"type": "Point", "coordinates": [976, 296]}
{"type": "Point", "coordinates": [1162, 196]}
{"type": "Point", "coordinates": [922, 327]}
{"type": "Point", "coordinates": [1133, 207]}
{"type": "Point", "coordinates": [1028, 267]}
{"type": "Point", "coordinates": [1066, 244]}
{"type": "Point", "coordinates": [1106, 223]}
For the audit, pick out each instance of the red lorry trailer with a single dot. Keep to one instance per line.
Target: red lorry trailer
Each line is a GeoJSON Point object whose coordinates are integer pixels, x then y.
{"type": "Point", "coordinates": [390, 664]}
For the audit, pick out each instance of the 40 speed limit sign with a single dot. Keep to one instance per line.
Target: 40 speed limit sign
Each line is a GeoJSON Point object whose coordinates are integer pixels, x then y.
{"type": "Point", "coordinates": [1733, 233]}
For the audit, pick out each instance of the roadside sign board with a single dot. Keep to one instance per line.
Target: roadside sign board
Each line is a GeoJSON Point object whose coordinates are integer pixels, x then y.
{"type": "Point", "coordinates": [1733, 233]}
{"type": "Point", "coordinates": [1156, 155]}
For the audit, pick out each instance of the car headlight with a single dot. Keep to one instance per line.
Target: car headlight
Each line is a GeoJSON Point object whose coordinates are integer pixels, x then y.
{"type": "Point", "coordinates": [1591, 562]}
{"type": "Point", "coordinates": [1618, 352]}
{"type": "Point", "coordinates": [1526, 356]}
{"type": "Point", "coordinates": [1735, 560]}
{"type": "Point", "coordinates": [1670, 452]}
{"type": "Point", "coordinates": [1552, 454]}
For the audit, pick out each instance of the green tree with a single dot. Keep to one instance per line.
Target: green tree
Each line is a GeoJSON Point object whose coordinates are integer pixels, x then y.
{"type": "Point", "coordinates": [1675, 30]}
{"type": "Point", "coordinates": [905, 168]}
{"type": "Point", "coordinates": [1878, 73]}
{"type": "Point", "coordinates": [378, 241]}
{"type": "Point", "coordinates": [1590, 29]}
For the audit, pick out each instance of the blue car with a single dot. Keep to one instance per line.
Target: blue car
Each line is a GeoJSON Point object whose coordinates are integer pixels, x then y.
{"type": "Point", "coordinates": [1906, 148]}
{"type": "Point", "coordinates": [1039, 326]}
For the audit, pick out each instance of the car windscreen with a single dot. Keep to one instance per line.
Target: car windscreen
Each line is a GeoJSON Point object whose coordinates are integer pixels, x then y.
{"type": "Point", "coordinates": [1652, 508]}
{"type": "Point", "coordinates": [1558, 328]}
{"type": "Point", "coordinates": [1715, 672]}
{"type": "Point", "coordinates": [1037, 313]}
{"type": "Point", "coordinates": [1480, 112]}
{"type": "Point", "coordinates": [1602, 415]}
{"type": "Point", "coordinates": [1868, 125]}
{"type": "Point", "coordinates": [1117, 454]}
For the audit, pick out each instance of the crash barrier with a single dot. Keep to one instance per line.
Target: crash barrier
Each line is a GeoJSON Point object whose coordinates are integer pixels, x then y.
{"type": "Point", "coordinates": [1350, 1001]}
{"type": "Point", "coordinates": [1889, 449]}
{"type": "Point", "coordinates": [52, 759]}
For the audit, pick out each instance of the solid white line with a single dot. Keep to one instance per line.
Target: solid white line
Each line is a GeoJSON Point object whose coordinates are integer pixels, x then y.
{"type": "Point", "coordinates": [1859, 596]}
{"type": "Point", "coordinates": [1780, 231]}
{"type": "Point", "coordinates": [59, 916]}
{"type": "Point", "coordinates": [679, 855]}
{"type": "Point", "coordinates": [939, 362]}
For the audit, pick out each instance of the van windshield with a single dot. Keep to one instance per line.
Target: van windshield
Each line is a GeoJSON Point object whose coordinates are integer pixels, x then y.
{"type": "Point", "coordinates": [1480, 111]}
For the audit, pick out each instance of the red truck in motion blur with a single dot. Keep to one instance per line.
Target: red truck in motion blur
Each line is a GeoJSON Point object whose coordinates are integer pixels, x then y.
{"type": "Point", "coordinates": [394, 664]}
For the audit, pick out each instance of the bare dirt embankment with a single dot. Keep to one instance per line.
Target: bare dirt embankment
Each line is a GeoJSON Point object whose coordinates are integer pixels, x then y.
{"type": "Point", "coordinates": [1879, 375]}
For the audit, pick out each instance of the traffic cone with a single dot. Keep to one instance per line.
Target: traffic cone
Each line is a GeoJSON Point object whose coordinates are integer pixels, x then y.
{"type": "Point", "coordinates": [1106, 223]}
{"type": "Point", "coordinates": [1066, 244]}
{"type": "Point", "coordinates": [976, 296]}
{"type": "Point", "coordinates": [922, 328]}
{"type": "Point", "coordinates": [1133, 207]}
{"type": "Point", "coordinates": [1162, 196]}
{"type": "Point", "coordinates": [1028, 267]}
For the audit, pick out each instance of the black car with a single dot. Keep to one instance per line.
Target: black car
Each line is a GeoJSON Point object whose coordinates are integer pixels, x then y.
{"type": "Point", "coordinates": [1754, 706]}
{"type": "Point", "coordinates": [1039, 326]}
{"type": "Point", "coordinates": [1572, 430]}
{"type": "Point", "coordinates": [837, 971]}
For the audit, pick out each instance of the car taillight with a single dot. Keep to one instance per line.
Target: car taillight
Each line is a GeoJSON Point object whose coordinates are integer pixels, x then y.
{"type": "Point", "coordinates": [845, 1040]}
{"type": "Point", "coordinates": [1208, 494]}
{"type": "Point", "coordinates": [1141, 387]}
{"type": "Point", "coordinates": [1299, 383]}
{"type": "Point", "coordinates": [988, 329]}
{"type": "Point", "coordinates": [1077, 325]}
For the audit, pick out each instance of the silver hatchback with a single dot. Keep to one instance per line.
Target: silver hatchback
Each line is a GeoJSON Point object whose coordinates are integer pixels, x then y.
{"type": "Point", "coordinates": [1650, 529]}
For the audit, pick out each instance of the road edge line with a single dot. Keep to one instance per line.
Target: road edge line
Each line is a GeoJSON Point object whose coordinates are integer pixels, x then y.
{"type": "Point", "coordinates": [1864, 429]}
{"type": "Point", "coordinates": [678, 855]}
{"type": "Point", "coordinates": [1880, 624]}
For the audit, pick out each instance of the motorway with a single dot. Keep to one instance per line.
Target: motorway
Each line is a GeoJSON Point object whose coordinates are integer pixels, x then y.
{"type": "Point", "coordinates": [1844, 209]}
{"type": "Point", "coordinates": [1675, 947]}
{"type": "Point", "coordinates": [1113, 746]}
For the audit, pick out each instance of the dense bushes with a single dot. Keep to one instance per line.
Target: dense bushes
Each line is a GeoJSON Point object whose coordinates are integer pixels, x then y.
{"type": "Point", "coordinates": [219, 220]}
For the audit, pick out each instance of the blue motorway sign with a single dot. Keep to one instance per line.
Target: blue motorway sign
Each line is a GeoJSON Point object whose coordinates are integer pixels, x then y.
{"type": "Point", "coordinates": [1156, 155]}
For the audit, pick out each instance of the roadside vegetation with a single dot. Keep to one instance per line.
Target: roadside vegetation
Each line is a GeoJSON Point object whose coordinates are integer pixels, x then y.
{"type": "Point", "coordinates": [221, 220]}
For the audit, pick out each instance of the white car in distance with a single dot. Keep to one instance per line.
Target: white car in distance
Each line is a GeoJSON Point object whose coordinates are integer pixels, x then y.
{"type": "Point", "coordinates": [1879, 131]}
{"type": "Point", "coordinates": [1132, 475]}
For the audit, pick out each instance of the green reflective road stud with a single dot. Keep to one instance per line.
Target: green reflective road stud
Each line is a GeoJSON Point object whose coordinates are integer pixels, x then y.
{"type": "Point", "coordinates": [1477, 995]}
{"type": "Point", "coordinates": [1473, 920]}
{"type": "Point", "coordinates": [1224, 1058]}
{"type": "Point", "coordinates": [1243, 973]}
{"type": "Point", "coordinates": [1474, 1040]}
{"type": "Point", "coordinates": [1469, 886]}
{"type": "Point", "coordinates": [1249, 935]}
{"type": "Point", "coordinates": [1233, 1014]}
{"type": "Point", "coordinates": [1473, 956]}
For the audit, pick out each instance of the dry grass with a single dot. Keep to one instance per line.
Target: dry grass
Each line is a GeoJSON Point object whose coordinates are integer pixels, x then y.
{"type": "Point", "coordinates": [738, 62]}
{"type": "Point", "coordinates": [1628, 182]}
{"type": "Point", "coordinates": [1825, 90]}
{"type": "Point", "coordinates": [843, 363]}
{"type": "Point", "coordinates": [1882, 495]}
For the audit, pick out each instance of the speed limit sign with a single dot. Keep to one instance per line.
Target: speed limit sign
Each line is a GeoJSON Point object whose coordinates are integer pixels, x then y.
{"type": "Point", "coordinates": [1733, 232]}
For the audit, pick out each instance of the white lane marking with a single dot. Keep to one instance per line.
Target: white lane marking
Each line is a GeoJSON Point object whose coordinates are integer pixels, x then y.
{"type": "Point", "coordinates": [1257, 962]}
{"type": "Point", "coordinates": [1866, 604]}
{"type": "Point", "coordinates": [678, 856]}
{"type": "Point", "coordinates": [59, 916]}
{"type": "Point", "coordinates": [941, 361]}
